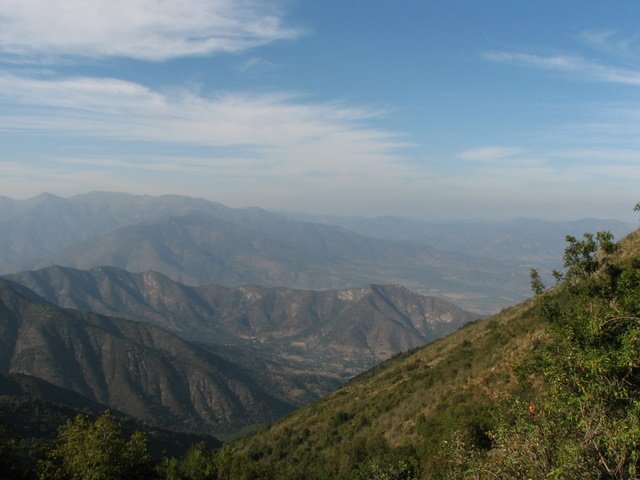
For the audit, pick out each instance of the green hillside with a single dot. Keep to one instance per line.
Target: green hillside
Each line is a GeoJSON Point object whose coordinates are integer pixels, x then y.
{"type": "Point", "coordinates": [403, 409]}
{"type": "Point", "coordinates": [446, 410]}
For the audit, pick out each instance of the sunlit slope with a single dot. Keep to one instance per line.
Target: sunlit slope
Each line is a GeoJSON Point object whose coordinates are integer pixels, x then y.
{"type": "Point", "coordinates": [399, 416]}
{"type": "Point", "coordinates": [404, 408]}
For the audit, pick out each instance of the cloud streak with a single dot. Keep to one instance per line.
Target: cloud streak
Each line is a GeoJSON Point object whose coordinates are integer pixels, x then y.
{"type": "Point", "coordinates": [281, 131]}
{"type": "Point", "coordinates": [489, 154]}
{"type": "Point", "coordinates": [584, 68]}
{"type": "Point", "coordinates": [141, 29]}
{"type": "Point", "coordinates": [610, 42]}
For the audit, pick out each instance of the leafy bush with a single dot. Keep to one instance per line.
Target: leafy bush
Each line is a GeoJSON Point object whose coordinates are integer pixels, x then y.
{"type": "Point", "coordinates": [96, 450]}
{"type": "Point", "coordinates": [585, 421]}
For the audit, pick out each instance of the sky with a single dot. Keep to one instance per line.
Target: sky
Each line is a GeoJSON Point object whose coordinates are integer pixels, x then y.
{"type": "Point", "coordinates": [434, 109]}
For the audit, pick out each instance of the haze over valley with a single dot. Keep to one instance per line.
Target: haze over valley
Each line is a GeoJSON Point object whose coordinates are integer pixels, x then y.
{"type": "Point", "coordinates": [480, 266]}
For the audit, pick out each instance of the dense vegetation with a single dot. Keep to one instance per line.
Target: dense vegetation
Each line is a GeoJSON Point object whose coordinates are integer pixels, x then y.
{"type": "Point", "coordinates": [547, 389]}
{"type": "Point", "coordinates": [584, 421]}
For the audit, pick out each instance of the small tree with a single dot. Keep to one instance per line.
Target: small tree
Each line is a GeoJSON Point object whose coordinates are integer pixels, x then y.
{"type": "Point", "coordinates": [86, 450]}
{"type": "Point", "coordinates": [199, 463]}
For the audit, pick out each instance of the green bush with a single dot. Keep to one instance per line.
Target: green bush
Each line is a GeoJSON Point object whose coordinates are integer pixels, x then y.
{"type": "Point", "coordinates": [96, 450]}
{"type": "Point", "coordinates": [585, 420]}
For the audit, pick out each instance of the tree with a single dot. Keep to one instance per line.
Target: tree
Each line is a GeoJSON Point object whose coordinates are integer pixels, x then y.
{"type": "Point", "coordinates": [199, 463]}
{"type": "Point", "coordinates": [86, 450]}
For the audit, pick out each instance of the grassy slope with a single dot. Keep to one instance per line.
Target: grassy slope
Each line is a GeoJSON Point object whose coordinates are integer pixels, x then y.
{"type": "Point", "coordinates": [402, 409]}
{"type": "Point", "coordinates": [405, 408]}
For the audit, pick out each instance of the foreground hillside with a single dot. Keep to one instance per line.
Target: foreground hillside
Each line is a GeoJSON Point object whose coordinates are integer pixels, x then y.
{"type": "Point", "coordinates": [403, 409]}
{"type": "Point", "coordinates": [457, 408]}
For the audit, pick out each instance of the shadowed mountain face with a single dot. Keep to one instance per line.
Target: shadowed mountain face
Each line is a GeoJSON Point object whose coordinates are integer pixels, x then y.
{"type": "Point", "coordinates": [330, 334]}
{"type": "Point", "coordinates": [35, 409]}
{"type": "Point", "coordinates": [199, 242]}
{"type": "Point", "coordinates": [136, 368]}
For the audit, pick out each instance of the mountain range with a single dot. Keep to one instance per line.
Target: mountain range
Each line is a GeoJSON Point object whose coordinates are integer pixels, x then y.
{"type": "Point", "coordinates": [297, 345]}
{"type": "Point", "coordinates": [338, 332]}
{"type": "Point", "coordinates": [136, 368]}
{"type": "Point", "coordinates": [198, 242]}
{"type": "Point", "coordinates": [201, 357]}
{"type": "Point", "coordinates": [180, 316]}
{"type": "Point", "coordinates": [522, 241]}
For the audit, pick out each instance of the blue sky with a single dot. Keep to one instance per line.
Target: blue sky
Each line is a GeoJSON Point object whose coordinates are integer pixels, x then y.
{"type": "Point", "coordinates": [431, 109]}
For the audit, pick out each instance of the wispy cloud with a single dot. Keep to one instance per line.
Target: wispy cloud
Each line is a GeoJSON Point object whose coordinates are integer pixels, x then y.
{"type": "Point", "coordinates": [140, 29]}
{"type": "Point", "coordinates": [257, 64]}
{"type": "Point", "coordinates": [490, 153]}
{"type": "Point", "coordinates": [282, 130]}
{"type": "Point", "coordinates": [585, 69]}
{"type": "Point", "coordinates": [612, 43]}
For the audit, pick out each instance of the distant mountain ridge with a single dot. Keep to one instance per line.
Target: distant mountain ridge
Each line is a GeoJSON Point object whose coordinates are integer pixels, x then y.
{"type": "Point", "coordinates": [525, 241]}
{"type": "Point", "coordinates": [335, 333]}
{"type": "Point", "coordinates": [45, 224]}
{"type": "Point", "coordinates": [198, 242]}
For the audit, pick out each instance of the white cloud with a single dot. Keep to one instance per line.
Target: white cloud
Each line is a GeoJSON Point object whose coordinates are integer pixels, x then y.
{"type": "Point", "coordinates": [141, 29]}
{"type": "Point", "coordinates": [281, 132]}
{"type": "Point", "coordinates": [584, 68]}
{"type": "Point", "coordinates": [490, 153]}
